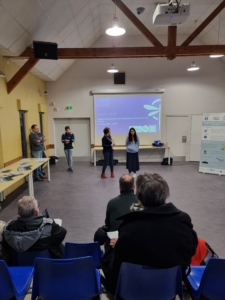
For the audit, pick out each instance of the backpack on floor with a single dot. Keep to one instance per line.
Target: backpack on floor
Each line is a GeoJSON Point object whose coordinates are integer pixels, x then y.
{"type": "Point", "coordinates": [165, 161]}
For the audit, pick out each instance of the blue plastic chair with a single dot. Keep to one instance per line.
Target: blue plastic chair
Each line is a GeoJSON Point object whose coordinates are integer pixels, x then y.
{"type": "Point", "coordinates": [66, 279]}
{"type": "Point", "coordinates": [208, 281]}
{"type": "Point", "coordinates": [75, 250]}
{"type": "Point", "coordinates": [14, 281]}
{"type": "Point", "coordinates": [144, 283]}
{"type": "Point", "coordinates": [27, 258]}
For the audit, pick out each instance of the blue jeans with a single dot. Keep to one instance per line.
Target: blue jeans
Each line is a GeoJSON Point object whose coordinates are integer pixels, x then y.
{"type": "Point", "coordinates": [108, 156]}
{"type": "Point", "coordinates": [37, 172]}
{"type": "Point", "coordinates": [69, 157]}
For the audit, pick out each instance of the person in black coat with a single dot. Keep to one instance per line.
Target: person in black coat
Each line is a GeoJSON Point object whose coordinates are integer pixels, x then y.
{"type": "Point", "coordinates": [107, 144]}
{"type": "Point", "coordinates": [158, 235]}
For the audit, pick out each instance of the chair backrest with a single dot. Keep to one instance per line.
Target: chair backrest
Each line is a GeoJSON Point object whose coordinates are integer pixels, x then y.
{"type": "Point", "coordinates": [6, 285]}
{"type": "Point", "coordinates": [212, 285]}
{"type": "Point", "coordinates": [142, 282]}
{"type": "Point", "coordinates": [64, 279]}
{"type": "Point", "coordinates": [75, 250]}
{"type": "Point", "coordinates": [27, 258]}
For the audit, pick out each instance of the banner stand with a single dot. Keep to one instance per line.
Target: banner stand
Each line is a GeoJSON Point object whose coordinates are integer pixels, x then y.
{"type": "Point", "coordinates": [212, 156]}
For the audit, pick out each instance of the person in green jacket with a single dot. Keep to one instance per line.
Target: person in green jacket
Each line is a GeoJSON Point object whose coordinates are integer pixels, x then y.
{"type": "Point", "coordinates": [116, 208]}
{"type": "Point", "coordinates": [121, 204]}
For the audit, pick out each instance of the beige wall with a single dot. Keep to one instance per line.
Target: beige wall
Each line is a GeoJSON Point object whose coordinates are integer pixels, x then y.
{"type": "Point", "coordinates": [186, 93]}
{"type": "Point", "coordinates": [25, 96]}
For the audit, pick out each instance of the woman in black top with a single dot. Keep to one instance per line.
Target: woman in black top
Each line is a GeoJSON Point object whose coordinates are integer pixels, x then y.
{"type": "Point", "coordinates": [107, 145]}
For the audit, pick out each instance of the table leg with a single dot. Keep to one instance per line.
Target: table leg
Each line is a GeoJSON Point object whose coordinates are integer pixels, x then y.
{"type": "Point", "coordinates": [1, 196]}
{"type": "Point", "coordinates": [49, 179]}
{"type": "Point", "coordinates": [94, 158]}
{"type": "Point", "coordinates": [31, 184]}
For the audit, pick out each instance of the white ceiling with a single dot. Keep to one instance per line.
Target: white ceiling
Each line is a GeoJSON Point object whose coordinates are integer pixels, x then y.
{"type": "Point", "coordinates": [79, 23]}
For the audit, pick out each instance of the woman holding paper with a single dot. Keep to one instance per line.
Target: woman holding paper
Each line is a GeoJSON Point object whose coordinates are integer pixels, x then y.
{"type": "Point", "coordinates": [107, 144]}
{"type": "Point", "coordinates": [132, 144]}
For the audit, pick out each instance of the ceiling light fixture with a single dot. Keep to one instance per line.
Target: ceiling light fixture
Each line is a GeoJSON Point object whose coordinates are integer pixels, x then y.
{"type": "Point", "coordinates": [115, 30]}
{"type": "Point", "coordinates": [217, 55]}
{"type": "Point", "coordinates": [193, 66]}
{"type": "Point", "coordinates": [1, 74]}
{"type": "Point", "coordinates": [112, 69]}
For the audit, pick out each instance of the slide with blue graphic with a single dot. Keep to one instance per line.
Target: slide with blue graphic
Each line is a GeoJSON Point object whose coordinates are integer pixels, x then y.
{"type": "Point", "coordinates": [122, 112]}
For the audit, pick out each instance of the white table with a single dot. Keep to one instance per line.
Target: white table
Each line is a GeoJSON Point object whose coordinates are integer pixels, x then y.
{"type": "Point", "coordinates": [34, 163]}
{"type": "Point", "coordinates": [99, 148]}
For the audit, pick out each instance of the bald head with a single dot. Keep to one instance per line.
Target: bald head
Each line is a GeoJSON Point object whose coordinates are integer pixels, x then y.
{"type": "Point", "coordinates": [126, 182]}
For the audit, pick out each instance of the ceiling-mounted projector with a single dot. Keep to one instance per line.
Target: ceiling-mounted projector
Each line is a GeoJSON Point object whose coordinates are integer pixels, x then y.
{"type": "Point", "coordinates": [171, 14]}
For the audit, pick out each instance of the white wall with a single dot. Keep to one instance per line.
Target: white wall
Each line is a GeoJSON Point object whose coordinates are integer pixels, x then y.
{"type": "Point", "coordinates": [185, 92]}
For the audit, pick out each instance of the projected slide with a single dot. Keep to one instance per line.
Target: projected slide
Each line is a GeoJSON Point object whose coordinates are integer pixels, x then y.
{"type": "Point", "coordinates": [122, 112]}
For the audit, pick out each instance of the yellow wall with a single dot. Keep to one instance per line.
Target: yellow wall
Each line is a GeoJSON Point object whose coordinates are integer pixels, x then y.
{"type": "Point", "coordinates": [28, 94]}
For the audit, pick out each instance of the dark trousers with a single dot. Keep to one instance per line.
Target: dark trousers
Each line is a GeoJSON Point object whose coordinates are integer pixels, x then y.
{"type": "Point", "coordinates": [108, 157]}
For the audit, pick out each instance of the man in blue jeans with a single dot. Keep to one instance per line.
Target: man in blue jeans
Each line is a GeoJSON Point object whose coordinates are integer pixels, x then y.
{"type": "Point", "coordinates": [68, 141]}
{"type": "Point", "coordinates": [36, 144]}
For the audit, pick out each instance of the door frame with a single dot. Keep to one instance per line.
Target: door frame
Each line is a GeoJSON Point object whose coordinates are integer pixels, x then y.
{"type": "Point", "coordinates": [24, 145]}
{"type": "Point", "coordinates": [54, 133]}
{"type": "Point", "coordinates": [187, 148]}
{"type": "Point", "coordinates": [190, 133]}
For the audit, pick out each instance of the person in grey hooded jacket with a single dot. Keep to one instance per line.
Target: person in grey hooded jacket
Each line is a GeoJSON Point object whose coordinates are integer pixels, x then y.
{"type": "Point", "coordinates": [34, 232]}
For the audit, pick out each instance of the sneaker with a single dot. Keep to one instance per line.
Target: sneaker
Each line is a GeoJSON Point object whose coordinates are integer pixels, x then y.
{"type": "Point", "coordinates": [134, 175]}
{"type": "Point", "coordinates": [70, 170]}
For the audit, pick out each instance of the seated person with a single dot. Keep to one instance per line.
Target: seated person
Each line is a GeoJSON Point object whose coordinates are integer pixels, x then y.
{"type": "Point", "coordinates": [34, 232]}
{"type": "Point", "coordinates": [117, 207]}
{"type": "Point", "coordinates": [159, 235]}
{"type": "Point", "coordinates": [2, 225]}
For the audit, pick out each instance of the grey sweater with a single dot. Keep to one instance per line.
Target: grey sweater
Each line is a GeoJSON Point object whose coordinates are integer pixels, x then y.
{"type": "Point", "coordinates": [34, 144]}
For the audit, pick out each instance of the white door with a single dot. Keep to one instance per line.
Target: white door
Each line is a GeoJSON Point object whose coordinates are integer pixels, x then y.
{"type": "Point", "coordinates": [195, 137]}
{"type": "Point", "coordinates": [177, 136]}
{"type": "Point", "coordinates": [81, 130]}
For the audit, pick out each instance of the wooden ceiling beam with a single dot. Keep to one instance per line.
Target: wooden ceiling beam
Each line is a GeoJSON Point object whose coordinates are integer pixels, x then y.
{"type": "Point", "coordinates": [140, 26]}
{"type": "Point", "coordinates": [172, 39]}
{"type": "Point", "coordinates": [204, 24]}
{"type": "Point", "coordinates": [15, 80]}
{"type": "Point", "coordinates": [132, 52]}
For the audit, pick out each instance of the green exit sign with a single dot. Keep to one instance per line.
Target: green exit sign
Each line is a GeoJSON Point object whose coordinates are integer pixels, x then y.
{"type": "Point", "coordinates": [69, 107]}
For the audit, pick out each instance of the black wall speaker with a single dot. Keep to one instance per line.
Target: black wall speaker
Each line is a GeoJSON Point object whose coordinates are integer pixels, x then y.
{"type": "Point", "coordinates": [45, 50]}
{"type": "Point", "coordinates": [119, 78]}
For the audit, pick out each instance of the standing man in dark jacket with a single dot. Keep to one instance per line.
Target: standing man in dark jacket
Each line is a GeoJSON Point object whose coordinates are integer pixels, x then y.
{"type": "Point", "coordinates": [68, 140]}
{"type": "Point", "coordinates": [36, 145]}
{"type": "Point", "coordinates": [34, 232]}
{"type": "Point", "coordinates": [43, 150]}
{"type": "Point", "coordinates": [159, 235]}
